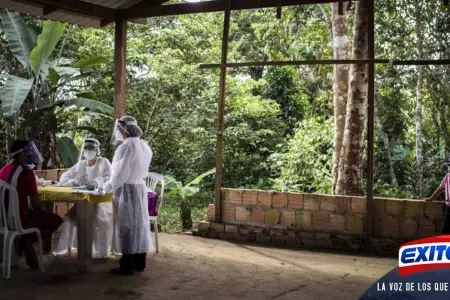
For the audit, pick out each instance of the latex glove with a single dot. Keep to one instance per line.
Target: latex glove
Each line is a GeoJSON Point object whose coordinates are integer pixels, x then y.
{"type": "Point", "coordinates": [100, 182]}
{"type": "Point", "coordinates": [107, 188]}
{"type": "Point", "coordinates": [82, 180]}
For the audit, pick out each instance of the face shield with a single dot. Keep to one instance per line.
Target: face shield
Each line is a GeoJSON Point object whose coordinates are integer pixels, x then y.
{"type": "Point", "coordinates": [116, 135]}
{"type": "Point", "coordinates": [128, 125]}
{"type": "Point", "coordinates": [90, 149]}
{"type": "Point", "coordinates": [34, 156]}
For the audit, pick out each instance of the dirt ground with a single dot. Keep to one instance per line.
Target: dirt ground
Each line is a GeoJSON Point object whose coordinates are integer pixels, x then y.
{"type": "Point", "coordinates": [190, 267]}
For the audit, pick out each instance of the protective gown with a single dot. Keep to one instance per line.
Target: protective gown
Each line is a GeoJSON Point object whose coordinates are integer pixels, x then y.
{"type": "Point", "coordinates": [82, 174]}
{"type": "Point", "coordinates": [129, 169]}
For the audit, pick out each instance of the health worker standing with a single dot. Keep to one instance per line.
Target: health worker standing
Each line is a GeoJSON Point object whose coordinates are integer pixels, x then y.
{"type": "Point", "coordinates": [130, 167]}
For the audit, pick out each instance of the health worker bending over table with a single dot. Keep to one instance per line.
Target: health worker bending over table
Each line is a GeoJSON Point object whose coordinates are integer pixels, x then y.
{"type": "Point", "coordinates": [89, 171]}
{"type": "Point", "coordinates": [129, 169]}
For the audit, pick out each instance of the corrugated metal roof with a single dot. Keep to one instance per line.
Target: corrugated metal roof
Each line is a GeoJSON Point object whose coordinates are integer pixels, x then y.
{"type": "Point", "coordinates": [36, 9]}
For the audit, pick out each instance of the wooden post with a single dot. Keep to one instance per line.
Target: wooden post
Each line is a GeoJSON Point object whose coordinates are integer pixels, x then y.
{"type": "Point", "coordinates": [220, 114]}
{"type": "Point", "coordinates": [370, 123]}
{"type": "Point", "coordinates": [120, 57]}
{"type": "Point", "coordinates": [279, 10]}
{"type": "Point", "coordinates": [85, 231]}
{"type": "Point", "coordinates": [341, 7]}
{"type": "Point", "coordinates": [49, 207]}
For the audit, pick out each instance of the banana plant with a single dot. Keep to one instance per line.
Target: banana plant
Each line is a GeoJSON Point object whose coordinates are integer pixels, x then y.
{"type": "Point", "coordinates": [185, 192]}
{"type": "Point", "coordinates": [48, 82]}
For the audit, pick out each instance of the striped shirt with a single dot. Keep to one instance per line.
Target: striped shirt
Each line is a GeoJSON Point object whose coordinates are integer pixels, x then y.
{"type": "Point", "coordinates": [24, 181]}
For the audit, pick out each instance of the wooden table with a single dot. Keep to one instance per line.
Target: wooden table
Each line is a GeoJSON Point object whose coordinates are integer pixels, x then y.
{"type": "Point", "coordinates": [85, 217]}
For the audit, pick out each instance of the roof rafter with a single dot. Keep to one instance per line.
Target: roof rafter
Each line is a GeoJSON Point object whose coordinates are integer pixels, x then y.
{"type": "Point", "coordinates": [140, 5]}
{"type": "Point", "coordinates": [48, 9]}
{"type": "Point", "coordinates": [208, 6]}
{"type": "Point", "coordinates": [81, 7]}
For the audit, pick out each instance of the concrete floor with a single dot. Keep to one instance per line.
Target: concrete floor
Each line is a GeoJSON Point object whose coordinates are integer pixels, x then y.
{"type": "Point", "coordinates": [190, 267]}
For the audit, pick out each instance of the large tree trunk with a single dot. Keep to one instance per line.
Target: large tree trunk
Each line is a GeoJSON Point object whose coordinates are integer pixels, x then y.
{"type": "Point", "coordinates": [341, 50]}
{"type": "Point", "coordinates": [350, 181]}
{"type": "Point", "coordinates": [419, 146]}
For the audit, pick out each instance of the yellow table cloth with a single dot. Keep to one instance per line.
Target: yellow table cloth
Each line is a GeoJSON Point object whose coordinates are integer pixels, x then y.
{"type": "Point", "coordinates": [59, 193]}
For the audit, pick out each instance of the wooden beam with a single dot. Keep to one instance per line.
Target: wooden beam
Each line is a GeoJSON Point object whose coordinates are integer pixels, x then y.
{"type": "Point", "coordinates": [209, 6]}
{"type": "Point", "coordinates": [80, 7]}
{"type": "Point", "coordinates": [370, 122]}
{"type": "Point", "coordinates": [120, 56]}
{"type": "Point", "coordinates": [141, 4]}
{"type": "Point", "coordinates": [106, 22]}
{"type": "Point", "coordinates": [48, 9]}
{"type": "Point", "coordinates": [328, 62]}
{"type": "Point", "coordinates": [146, 4]}
{"type": "Point", "coordinates": [220, 114]}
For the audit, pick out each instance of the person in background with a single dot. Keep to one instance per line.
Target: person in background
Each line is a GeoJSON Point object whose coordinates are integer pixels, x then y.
{"type": "Point", "coordinates": [444, 187]}
{"type": "Point", "coordinates": [132, 224]}
{"type": "Point", "coordinates": [18, 174]}
{"type": "Point", "coordinates": [86, 172]}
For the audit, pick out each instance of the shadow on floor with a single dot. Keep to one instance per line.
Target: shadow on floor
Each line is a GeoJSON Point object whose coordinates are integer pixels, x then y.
{"type": "Point", "coordinates": [194, 268]}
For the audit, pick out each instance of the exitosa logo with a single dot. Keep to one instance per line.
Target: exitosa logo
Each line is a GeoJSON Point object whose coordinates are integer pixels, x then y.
{"type": "Point", "coordinates": [424, 254]}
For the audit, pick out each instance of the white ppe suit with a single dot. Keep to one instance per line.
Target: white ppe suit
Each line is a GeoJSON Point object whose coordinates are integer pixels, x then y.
{"type": "Point", "coordinates": [129, 169]}
{"type": "Point", "coordinates": [83, 174]}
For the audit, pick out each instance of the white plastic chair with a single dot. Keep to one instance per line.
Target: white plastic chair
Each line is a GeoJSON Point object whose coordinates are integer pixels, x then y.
{"type": "Point", "coordinates": [152, 181]}
{"type": "Point", "coordinates": [10, 235]}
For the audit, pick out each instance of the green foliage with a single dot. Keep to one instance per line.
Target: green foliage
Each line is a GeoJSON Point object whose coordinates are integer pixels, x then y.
{"type": "Point", "coordinates": [278, 124]}
{"type": "Point", "coordinates": [185, 192]}
{"type": "Point", "coordinates": [12, 95]}
{"type": "Point", "coordinates": [89, 62]}
{"type": "Point", "coordinates": [169, 215]}
{"type": "Point", "coordinates": [88, 104]}
{"type": "Point", "coordinates": [191, 188]}
{"type": "Point", "coordinates": [253, 130]}
{"type": "Point", "coordinates": [282, 86]}
{"type": "Point", "coordinates": [46, 42]}
{"type": "Point", "coordinates": [68, 151]}
{"type": "Point", "coordinates": [306, 165]}
{"type": "Point", "coordinates": [45, 97]}
{"type": "Point", "coordinates": [18, 35]}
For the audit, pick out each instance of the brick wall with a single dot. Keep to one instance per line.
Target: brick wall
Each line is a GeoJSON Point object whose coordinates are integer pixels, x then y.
{"type": "Point", "coordinates": [50, 174]}
{"type": "Point", "coordinates": [298, 219]}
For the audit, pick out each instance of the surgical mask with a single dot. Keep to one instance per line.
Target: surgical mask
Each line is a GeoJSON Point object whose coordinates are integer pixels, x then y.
{"type": "Point", "coordinates": [90, 155]}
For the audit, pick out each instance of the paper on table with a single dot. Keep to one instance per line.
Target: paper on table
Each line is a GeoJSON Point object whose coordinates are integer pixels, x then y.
{"type": "Point", "coordinates": [43, 182]}
{"type": "Point", "coordinates": [96, 193]}
{"type": "Point", "coordinates": [83, 187]}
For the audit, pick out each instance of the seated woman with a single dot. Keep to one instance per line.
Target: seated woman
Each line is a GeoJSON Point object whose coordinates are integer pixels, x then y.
{"type": "Point", "coordinates": [86, 172]}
